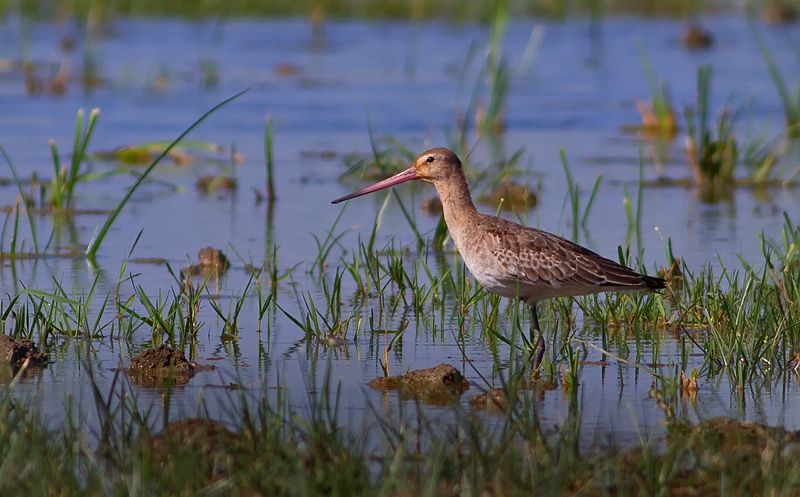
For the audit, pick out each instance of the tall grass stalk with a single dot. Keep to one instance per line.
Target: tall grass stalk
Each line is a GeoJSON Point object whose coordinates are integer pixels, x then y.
{"type": "Point", "coordinates": [97, 240]}
{"type": "Point", "coordinates": [31, 222]}
{"type": "Point", "coordinates": [270, 163]}
{"type": "Point", "coordinates": [573, 197]}
{"type": "Point", "coordinates": [790, 101]}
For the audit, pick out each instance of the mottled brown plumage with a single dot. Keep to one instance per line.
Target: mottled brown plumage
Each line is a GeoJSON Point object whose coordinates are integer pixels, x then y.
{"type": "Point", "coordinates": [510, 259]}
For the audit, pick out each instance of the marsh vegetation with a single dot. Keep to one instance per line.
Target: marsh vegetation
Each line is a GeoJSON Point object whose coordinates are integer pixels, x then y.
{"type": "Point", "coordinates": [346, 350]}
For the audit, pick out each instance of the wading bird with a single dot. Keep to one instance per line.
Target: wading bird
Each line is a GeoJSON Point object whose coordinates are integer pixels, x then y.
{"type": "Point", "coordinates": [510, 259]}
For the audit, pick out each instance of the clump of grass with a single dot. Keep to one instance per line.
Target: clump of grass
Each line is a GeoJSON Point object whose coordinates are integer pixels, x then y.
{"type": "Point", "coordinates": [62, 187]}
{"type": "Point", "coordinates": [658, 116]}
{"type": "Point", "coordinates": [184, 154]}
{"type": "Point", "coordinates": [714, 154]}
{"type": "Point", "coordinates": [712, 157]}
{"type": "Point", "coordinates": [760, 160]}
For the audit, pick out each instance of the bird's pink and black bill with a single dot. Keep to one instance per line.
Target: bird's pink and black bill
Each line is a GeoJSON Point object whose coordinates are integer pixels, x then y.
{"type": "Point", "coordinates": [401, 177]}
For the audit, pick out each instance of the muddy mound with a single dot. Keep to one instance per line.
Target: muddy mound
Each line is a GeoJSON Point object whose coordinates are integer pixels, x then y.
{"type": "Point", "coordinates": [441, 384]}
{"type": "Point", "coordinates": [207, 443]}
{"type": "Point", "coordinates": [161, 366]}
{"type": "Point", "coordinates": [16, 354]}
{"type": "Point", "coordinates": [20, 351]}
{"type": "Point", "coordinates": [492, 399]}
{"type": "Point", "coordinates": [210, 261]}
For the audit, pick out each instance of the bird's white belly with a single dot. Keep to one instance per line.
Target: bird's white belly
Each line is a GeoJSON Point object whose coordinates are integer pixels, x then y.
{"type": "Point", "coordinates": [487, 275]}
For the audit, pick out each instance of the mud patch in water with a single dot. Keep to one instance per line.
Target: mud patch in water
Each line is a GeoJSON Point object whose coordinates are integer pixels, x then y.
{"type": "Point", "coordinates": [161, 366]}
{"type": "Point", "coordinates": [439, 385]}
{"type": "Point", "coordinates": [19, 354]}
{"type": "Point", "coordinates": [209, 261]}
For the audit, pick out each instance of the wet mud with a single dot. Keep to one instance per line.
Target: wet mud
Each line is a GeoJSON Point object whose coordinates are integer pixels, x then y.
{"type": "Point", "coordinates": [19, 354]}
{"type": "Point", "coordinates": [161, 366]}
{"type": "Point", "coordinates": [441, 384]}
{"type": "Point", "coordinates": [210, 261]}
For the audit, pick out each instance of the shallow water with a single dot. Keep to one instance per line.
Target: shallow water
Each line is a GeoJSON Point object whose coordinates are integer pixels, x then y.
{"type": "Point", "coordinates": [576, 91]}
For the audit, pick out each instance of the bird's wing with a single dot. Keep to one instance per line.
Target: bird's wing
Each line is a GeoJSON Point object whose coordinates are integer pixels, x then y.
{"type": "Point", "coordinates": [535, 257]}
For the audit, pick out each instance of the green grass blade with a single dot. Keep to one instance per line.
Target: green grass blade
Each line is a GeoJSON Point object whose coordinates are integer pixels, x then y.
{"type": "Point", "coordinates": [79, 154]}
{"type": "Point", "coordinates": [591, 200]}
{"type": "Point", "coordinates": [22, 195]}
{"type": "Point", "coordinates": [91, 251]}
{"type": "Point", "coordinates": [270, 161]}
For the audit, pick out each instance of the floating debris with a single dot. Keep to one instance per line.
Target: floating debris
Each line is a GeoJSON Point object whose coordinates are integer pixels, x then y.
{"type": "Point", "coordinates": [286, 69]}
{"type": "Point", "coordinates": [150, 260]}
{"type": "Point", "coordinates": [439, 385]}
{"type": "Point", "coordinates": [319, 154]}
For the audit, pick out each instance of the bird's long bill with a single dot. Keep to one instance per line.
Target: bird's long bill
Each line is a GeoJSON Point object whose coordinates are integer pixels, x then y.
{"type": "Point", "coordinates": [401, 177]}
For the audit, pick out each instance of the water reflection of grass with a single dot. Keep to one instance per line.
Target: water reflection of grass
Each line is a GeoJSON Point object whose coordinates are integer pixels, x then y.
{"type": "Point", "coordinates": [266, 447]}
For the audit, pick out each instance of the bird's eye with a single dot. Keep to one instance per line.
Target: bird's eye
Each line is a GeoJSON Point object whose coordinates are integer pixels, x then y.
{"type": "Point", "coordinates": [429, 159]}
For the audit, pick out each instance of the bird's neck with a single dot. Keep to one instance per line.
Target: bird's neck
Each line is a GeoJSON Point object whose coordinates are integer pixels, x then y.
{"type": "Point", "coordinates": [456, 201]}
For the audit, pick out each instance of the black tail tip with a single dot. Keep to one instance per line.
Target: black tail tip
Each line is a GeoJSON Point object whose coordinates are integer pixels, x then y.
{"type": "Point", "coordinates": [654, 283]}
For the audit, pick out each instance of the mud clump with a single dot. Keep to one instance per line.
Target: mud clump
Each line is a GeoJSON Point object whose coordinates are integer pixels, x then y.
{"type": "Point", "coordinates": [20, 351]}
{"type": "Point", "coordinates": [439, 385]}
{"type": "Point", "coordinates": [16, 354]}
{"type": "Point", "coordinates": [510, 196]}
{"type": "Point", "coordinates": [210, 261]}
{"type": "Point", "coordinates": [779, 13]}
{"type": "Point", "coordinates": [160, 366]}
{"type": "Point", "coordinates": [432, 206]}
{"type": "Point", "coordinates": [696, 37]}
{"type": "Point", "coordinates": [206, 442]}
{"type": "Point", "coordinates": [494, 399]}
{"type": "Point", "coordinates": [654, 124]}
{"type": "Point", "coordinates": [209, 184]}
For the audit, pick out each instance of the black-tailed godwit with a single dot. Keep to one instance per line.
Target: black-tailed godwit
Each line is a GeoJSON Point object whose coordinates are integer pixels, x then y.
{"type": "Point", "coordinates": [510, 259]}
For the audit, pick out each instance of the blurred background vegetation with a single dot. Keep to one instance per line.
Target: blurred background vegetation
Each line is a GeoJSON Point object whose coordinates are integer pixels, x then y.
{"type": "Point", "coordinates": [407, 9]}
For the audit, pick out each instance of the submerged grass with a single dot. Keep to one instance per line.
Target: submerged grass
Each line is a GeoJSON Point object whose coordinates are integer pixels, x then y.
{"type": "Point", "coordinates": [266, 447]}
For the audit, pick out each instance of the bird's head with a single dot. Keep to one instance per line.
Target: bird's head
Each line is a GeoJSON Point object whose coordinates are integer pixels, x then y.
{"type": "Point", "coordinates": [436, 164]}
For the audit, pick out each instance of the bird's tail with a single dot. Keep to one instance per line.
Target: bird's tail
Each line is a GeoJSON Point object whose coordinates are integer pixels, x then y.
{"type": "Point", "coordinates": [653, 283]}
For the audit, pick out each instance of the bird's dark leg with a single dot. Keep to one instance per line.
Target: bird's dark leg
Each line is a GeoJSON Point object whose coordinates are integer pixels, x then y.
{"type": "Point", "coordinates": [537, 339]}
